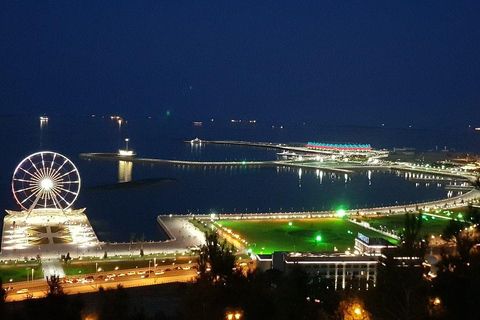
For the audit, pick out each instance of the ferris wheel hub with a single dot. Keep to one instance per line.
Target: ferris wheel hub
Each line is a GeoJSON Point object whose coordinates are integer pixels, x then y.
{"type": "Point", "coordinates": [46, 184]}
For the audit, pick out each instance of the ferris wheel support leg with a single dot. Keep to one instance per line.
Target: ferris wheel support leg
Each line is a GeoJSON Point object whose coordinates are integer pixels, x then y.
{"type": "Point", "coordinates": [33, 205]}
{"type": "Point", "coordinates": [60, 206]}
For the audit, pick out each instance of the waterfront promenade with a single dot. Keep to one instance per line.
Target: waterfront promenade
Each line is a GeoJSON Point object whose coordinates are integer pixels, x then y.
{"type": "Point", "coordinates": [183, 235]}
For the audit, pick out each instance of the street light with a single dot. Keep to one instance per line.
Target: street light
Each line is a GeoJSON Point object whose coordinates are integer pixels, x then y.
{"type": "Point", "coordinates": [126, 143]}
{"type": "Point", "coordinates": [234, 315]}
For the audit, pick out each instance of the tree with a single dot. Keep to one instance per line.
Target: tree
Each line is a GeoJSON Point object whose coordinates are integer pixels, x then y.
{"type": "Point", "coordinates": [352, 309]}
{"type": "Point", "coordinates": [464, 240]}
{"type": "Point", "coordinates": [410, 236]}
{"type": "Point", "coordinates": [141, 241]}
{"type": "Point", "coordinates": [67, 259]}
{"type": "Point", "coordinates": [132, 241]}
{"type": "Point", "coordinates": [114, 304]}
{"type": "Point", "coordinates": [458, 277]}
{"type": "Point", "coordinates": [3, 296]}
{"type": "Point", "coordinates": [54, 286]}
{"type": "Point", "coordinates": [401, 291]}
{"type": "Point", "coordinates": [220, 257]}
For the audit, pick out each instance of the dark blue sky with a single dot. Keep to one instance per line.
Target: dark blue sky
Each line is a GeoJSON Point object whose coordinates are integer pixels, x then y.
{"type": "Point", "coordinates": [352, 62]}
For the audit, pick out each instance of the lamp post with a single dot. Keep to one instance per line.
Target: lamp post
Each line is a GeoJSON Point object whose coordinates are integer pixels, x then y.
{"type": "Point", "coordinates": [126, 143]}
{"type": "Point", "coordinates": [33, 271]}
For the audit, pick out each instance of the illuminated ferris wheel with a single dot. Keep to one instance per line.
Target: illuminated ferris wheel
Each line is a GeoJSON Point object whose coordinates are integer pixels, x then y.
{"type": "Point", "coordinates": [45, 180]}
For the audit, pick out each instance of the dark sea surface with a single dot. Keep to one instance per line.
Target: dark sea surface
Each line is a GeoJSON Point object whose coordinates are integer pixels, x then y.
{"type": "Point", "coordinates": [117, 211]}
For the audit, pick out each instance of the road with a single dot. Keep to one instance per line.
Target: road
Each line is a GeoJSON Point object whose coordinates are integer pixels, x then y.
{"type": "Point", "coordinates": [38, 289]}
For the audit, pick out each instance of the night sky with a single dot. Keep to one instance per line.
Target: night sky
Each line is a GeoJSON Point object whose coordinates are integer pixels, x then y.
{"type": "Point", "coordinates": [344, 62]}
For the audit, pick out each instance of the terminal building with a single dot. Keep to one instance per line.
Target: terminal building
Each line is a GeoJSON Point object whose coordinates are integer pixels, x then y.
{"type": "Point", "coordinates": [339, 147]}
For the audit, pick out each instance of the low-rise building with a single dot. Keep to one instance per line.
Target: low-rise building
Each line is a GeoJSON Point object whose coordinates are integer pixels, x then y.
{"type": "Point", "coordinates": [341, 268]}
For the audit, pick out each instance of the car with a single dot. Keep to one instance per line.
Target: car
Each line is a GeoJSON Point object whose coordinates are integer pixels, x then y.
{"type": "Point", "coordinates": [145, 276]}
{"type": "Point", "coordinates": [8, 288]}
{"type": "Point", "coordinates": [140, 272]}
{"type": "Point", "coordinates": [195, 267]}
{"type": "Point", "coordinates": [100, 277]}
{"type": "Point", "coordinates": [150, 271]}
{"type": "Point", "coordinates": [177, 268]}
{"type": "Point", "coordinates": [89, 278]}
{"type": "Point", "coordinates": [22, 291]}
{"type": "Point", "coordinates": [122, 275]}
{"type": "Point", "coordinates": [168, 269]}
{"type": "Point", "coordinates": [159, 272]}
{"type": "Point", "coordinates": [131, 273]}
{"type": "Point", "coordinates": [111, 275]}
{"type": "Point", "coordinates": [88, 281]}
{"type": "Point", "coordinates": [186, 268]}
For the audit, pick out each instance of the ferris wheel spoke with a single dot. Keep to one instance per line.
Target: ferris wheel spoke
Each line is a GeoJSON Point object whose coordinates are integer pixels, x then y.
{"type": "Point", "coordinates": [23, 180]}
{"type": "Point", "coordinates": [43, 161]}
{"type": "Point", "coordinates": [33, 164]}
{"type": "Point", "coordinates": [27, 198]}
{"type": "Point", "coordinates": [68, 191]}
{"type": "Point", "coordinates": [51, 172]}
{"type": "Point", "coordinates": [26, 171]}
{"type": "Point", "coordinates": [38, 174]}
{"type": "Point", "coordinates": [56, 174]}
{"type": "Point", "coordinates": [61, 166]}
{"type": "Point", "coordinates": [25, 189]}
{"type": "Point", "coordinates": [65, 182]}
{"type": "Point", "coordinates": [61, 197]}
{"type": "Point", "coordinates": [67, 173]}
{"type": "Point", "coordinates": [53, 160]}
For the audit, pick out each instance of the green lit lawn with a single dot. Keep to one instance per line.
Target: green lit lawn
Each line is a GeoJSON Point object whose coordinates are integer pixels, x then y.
{"type": "Point", "coordinates": [268, 236]}
{"type": "Point", "coordinates": [19, 273]}
{"type": "Point", "coordinates": [430, 225]}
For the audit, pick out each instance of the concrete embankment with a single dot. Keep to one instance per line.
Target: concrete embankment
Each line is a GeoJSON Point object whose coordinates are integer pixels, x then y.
{"type": "Point", "coordinates": [165, 229]}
